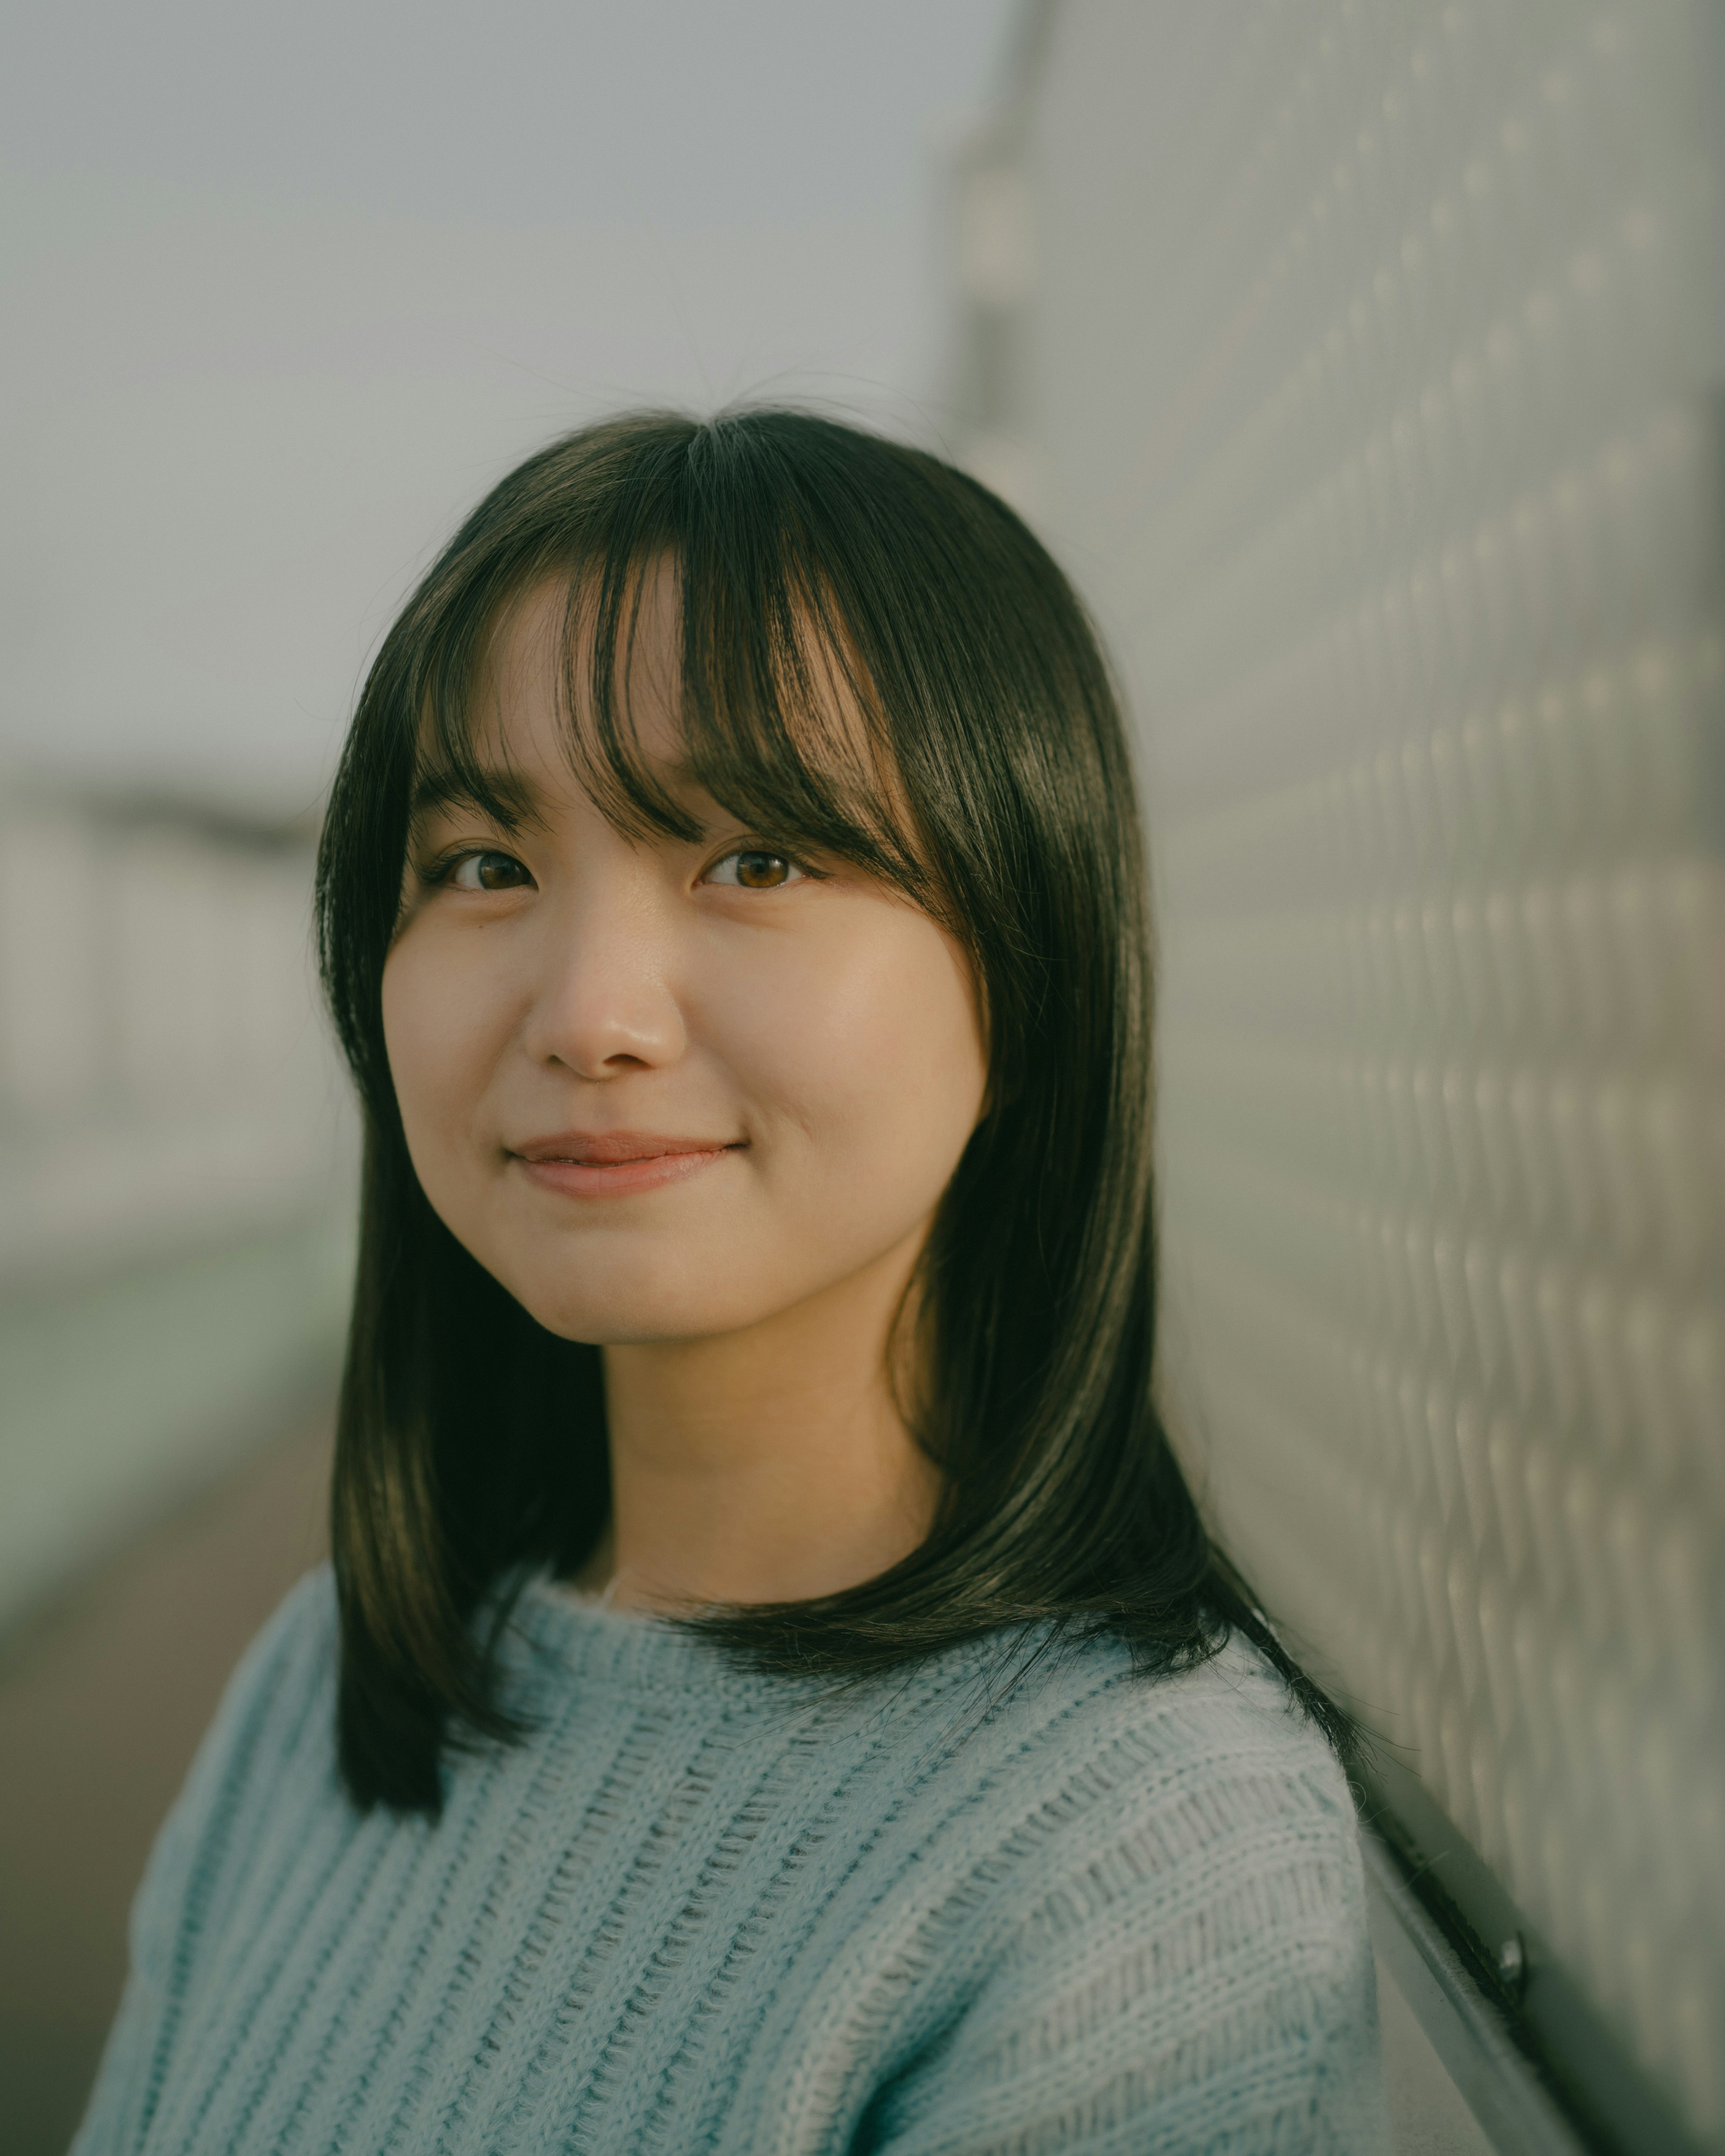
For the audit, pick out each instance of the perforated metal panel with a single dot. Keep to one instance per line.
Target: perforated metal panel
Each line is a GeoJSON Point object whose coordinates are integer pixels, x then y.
{"type": "Point", "coordinates": [1366, 382]}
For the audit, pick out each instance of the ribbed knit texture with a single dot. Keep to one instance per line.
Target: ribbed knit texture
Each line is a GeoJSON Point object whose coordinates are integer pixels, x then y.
{"type": "Point", "coordinates": [978, 1907]}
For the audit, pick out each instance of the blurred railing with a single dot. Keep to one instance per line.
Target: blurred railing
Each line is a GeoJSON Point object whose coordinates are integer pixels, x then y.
{"type": "Point", "coordinates": [175, 1163]}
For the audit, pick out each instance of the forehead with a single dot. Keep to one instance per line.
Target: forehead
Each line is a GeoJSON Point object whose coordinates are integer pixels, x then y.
{"type": "Point", "coordinates": [533, 690]}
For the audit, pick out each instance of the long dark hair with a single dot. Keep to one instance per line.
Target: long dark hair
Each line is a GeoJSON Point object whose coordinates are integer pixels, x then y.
{"type": "Point", "coordinates": [990, 781]}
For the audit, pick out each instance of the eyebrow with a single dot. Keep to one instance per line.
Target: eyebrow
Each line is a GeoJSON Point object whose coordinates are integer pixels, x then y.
{"type": "Point", "coordinates": [513, 802]}
{"type": "Point", "coordinates": [506, 796]}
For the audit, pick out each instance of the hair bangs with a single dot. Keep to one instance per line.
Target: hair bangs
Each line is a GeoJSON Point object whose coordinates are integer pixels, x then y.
{"type": "Point", "coordinates": [776, 716]}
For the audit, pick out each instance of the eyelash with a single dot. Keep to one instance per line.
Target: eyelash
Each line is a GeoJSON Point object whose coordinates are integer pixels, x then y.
{"type": "Point", "coordinates": [799, 870]}
{"type": "Point", "coordinates": [443, 871]}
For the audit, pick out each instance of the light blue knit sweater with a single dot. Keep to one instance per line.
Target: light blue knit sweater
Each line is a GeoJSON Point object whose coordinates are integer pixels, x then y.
{"type": "Point", "coordinates": [976, 1908]}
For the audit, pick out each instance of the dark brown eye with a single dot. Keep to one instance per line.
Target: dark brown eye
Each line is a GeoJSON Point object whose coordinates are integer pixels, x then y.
{"type": "Point", "coordinates": [488, 872]}
{"type": "Point", "coordinates": [755, 870]}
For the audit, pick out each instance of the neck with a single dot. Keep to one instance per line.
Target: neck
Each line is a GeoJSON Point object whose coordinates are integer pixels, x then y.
{"type": "Point", "coordinates": [771, 1465]}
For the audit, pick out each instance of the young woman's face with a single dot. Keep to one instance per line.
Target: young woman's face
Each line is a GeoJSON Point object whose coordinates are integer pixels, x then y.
{"type": "Point", "coordinates": [664, 1090]}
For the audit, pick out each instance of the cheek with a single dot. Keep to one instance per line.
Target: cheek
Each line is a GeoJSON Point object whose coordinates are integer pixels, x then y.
{"type": "Point", "coordinates": [441, 1032]}
{"type": "Point", "coordinates": [871, 1055]}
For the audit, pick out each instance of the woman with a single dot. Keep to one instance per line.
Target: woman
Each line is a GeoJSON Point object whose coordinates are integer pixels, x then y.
{"type": "Point", "coordinates": [772, 1691]}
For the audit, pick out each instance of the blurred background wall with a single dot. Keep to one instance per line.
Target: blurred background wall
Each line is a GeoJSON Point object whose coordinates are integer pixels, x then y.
{"type": "Point", "coordinates": [287, 289]}
{"type": "Point", "coordinates": [1362, 360]}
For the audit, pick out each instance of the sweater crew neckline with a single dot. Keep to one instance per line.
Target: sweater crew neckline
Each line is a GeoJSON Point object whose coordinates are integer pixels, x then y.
{"type": "Point", "coordinates": [630, 1648]}
{"type": "Point", "coordinates": [640, 1651]}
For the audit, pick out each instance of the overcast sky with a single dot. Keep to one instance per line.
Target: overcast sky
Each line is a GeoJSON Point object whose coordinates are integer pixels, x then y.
{"type": "Point", "coordinates": [288, 287]}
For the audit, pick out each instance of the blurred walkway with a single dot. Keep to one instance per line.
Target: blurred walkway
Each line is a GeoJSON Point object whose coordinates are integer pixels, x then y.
{"type": "Point", "coordinates": [102, 1701]}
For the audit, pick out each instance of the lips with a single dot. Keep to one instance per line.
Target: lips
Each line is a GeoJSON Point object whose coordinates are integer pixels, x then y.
{"type": "Point", "coordinates": [608, 1148]}
{"type": "Point", "coordinates": [598, 1164]}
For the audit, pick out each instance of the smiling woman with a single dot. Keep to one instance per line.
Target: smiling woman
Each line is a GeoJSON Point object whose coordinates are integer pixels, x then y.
{"type": "Point", "coordinates": [774, 1691]}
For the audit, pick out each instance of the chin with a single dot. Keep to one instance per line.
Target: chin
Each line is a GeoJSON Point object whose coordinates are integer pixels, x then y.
{"type": "Point", "coordinates": [623, 1311]}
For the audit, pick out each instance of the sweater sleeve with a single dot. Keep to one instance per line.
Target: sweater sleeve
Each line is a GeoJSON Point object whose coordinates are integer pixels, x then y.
{"type": "Point", "coordinates": [183, 1876]}
{"type": "Point", "coordinates": [1196, 1978]}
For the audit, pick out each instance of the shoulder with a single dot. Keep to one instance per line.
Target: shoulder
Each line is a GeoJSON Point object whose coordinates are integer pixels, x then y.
{"type": "Point", "coordinates": [1200, 1788]}
{"type": "Point", "coordinates": [1223, 1744]}
{"type": "Point", "coordinates": [1198, 1817]}
{"type": "Point", "coordinates": [278, 1705]}
{"type": "Point", "coordinates": [1061, 1789]}
{"type": "Point", "coordinates": [1176, 1941]}
{"type": "Point", "coordinates": [286, 1674]}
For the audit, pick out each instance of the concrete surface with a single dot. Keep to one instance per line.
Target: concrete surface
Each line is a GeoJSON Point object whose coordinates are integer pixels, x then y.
{"type": "Point", "coordinates": [102, 1697]}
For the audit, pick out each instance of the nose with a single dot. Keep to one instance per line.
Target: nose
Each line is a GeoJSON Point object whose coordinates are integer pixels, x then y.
{"type": "Point", "coordinates": [604, 1002]}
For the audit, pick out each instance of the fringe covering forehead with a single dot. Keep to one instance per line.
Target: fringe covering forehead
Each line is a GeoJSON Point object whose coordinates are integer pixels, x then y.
{"type": "Point", "coordinates": [778, 716]}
